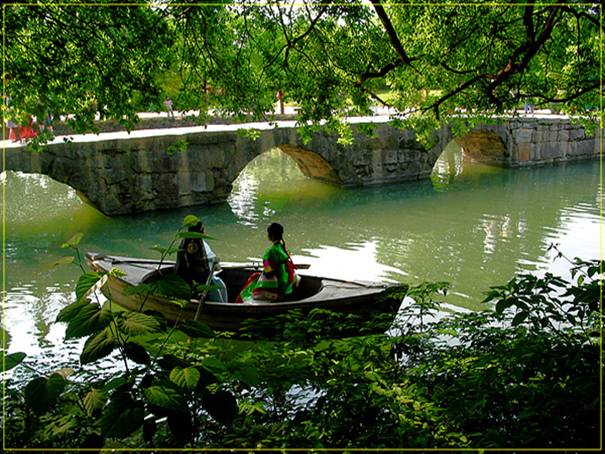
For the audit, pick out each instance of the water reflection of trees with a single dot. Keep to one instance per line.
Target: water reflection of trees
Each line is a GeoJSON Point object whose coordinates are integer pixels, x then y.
{"type": "Point", "coordinates": [448, 167]}
{"type": "Point", "coordinates": [487, 224]}
{"type": "Point", "coordinates": [482, 235]}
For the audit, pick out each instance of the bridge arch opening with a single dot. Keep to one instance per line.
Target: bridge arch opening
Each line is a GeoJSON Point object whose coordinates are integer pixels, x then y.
{"type": "Point", "coordinates": [483, 146]}
{"type": "Point", "coordinates": [311, 164]}
{"type": "Point", "coordinates": [469, 156]}
{"type": "Point", "coordinates": [278, 175]}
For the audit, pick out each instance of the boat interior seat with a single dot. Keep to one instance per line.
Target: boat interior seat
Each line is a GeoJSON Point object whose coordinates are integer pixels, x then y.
{"type": "Point", "coordinates": [154, 274]}
{"type": "Point", "coordinates": [308, 286]}
{"type": "Point", "coordinates": [235, 278]}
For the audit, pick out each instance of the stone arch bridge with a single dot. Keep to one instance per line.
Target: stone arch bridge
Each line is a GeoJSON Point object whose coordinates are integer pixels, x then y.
{"type": "Point", "coordinates": [134, 174]}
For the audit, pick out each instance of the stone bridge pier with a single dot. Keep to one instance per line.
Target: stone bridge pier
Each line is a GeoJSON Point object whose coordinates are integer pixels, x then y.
{"type": "Point", "coordinates": [136, 174]}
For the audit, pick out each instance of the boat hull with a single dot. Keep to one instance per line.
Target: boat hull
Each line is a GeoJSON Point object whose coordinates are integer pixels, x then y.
{"type": "Point", "coordinates": [362, 299]}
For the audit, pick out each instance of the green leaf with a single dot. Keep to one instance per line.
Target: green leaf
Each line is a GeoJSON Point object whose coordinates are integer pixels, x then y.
{"type": "Point", "coordinates": [193, 328]}
{"type": "Point", "coordinates": [85, 283]}
{"type": "Point", "coordinates": [177, 146]}
{"type": "Point", "coordinates": [73, 241]}
{"type": "Point", "coordinates": [114, 383]}
{"type": "Point", "coordinates": [136, 353]}
{"type": "Point", "coordinates": [35, 395]}
{"type": "Point", "coordinates": [122, 416]}
{"type": "Point", "coordinates": [185, 377]}
{"type": "Point", "coordinates": [69, 312]}
{"type": "Point", "coordinates": [55, 385]}
{"type": "Point", "coordinates": [62, 425]}
{"type": "Point", "coordinates": [170, 286]}
{"type": "Point", "coordinates": [64, 372]}
{"type": "Point", "coordinates": [190, 220]}
{"type": "Point", "coordinates": [221, 405]}
{"type": "Point", "coordinates": [5, 338]}
{"type": "Point", "coordinates": [520, 318]}
{"type": "Point", "coordinates": [88, 320]}
{"type": "Point", "coordinates": [502, 305]}
{"type": "Point", "coordinates": [249, 133]}
{"type": "Point", "coordinates": [94, 400]}
{"type": "Point", "coordinates": [214, 363]}
{"type": "Point", "coordinates": [98, 346]}
{"type": "Point", "coordinates": [137, 323]}
{"type": "Point", "coordinates": [248, 375]}
{"type": "Point", "coordinates": [169, 362]}
{"type": "Point", "coordinates": [180, 303]}
{"type": "Point", "coordinates": [165, 397]}
{"type": "Point", "coordinates": [192, 235]}
{"type": "Point", "coordinates": [206, 378]}
{"type": "Point", "coordinates": [116, 272]}
{"type": "Point", "coordinates": [195, 235]}
{"type": "Point", "coordinates": [13, 359]}
{"type": "Point", "coordinates": [41, 393]}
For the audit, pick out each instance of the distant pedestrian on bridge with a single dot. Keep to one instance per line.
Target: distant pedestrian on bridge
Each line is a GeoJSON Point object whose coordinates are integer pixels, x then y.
{"type": "Point", "coordinates": [168, 104]}
{"type": "Point", "coordinates": [28, 131]}
{"type": "Point", "coordinates": [280, 100]}
{"type": "Point", "coordinates": [13, 129]}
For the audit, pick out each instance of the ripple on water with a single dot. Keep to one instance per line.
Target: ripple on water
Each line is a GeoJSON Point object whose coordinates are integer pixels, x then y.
{"type": "Point", "coordinates": [486, 225]}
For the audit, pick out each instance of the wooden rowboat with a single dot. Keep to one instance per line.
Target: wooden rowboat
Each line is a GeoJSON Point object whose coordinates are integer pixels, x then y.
{"type": "Point", "coordinates": [358, 298]}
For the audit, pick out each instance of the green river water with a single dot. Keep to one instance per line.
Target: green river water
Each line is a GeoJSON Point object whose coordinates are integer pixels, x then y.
{"type": "Point", "coordinates": [472, 225]}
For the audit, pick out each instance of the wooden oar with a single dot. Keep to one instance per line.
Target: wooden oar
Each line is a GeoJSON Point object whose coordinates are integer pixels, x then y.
{"type": "Point", "coordinates": [300, 266]}
{"type": "Point", "coordinates": [205, 292]}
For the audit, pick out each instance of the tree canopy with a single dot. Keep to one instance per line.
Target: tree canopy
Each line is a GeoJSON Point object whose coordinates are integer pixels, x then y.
{"type": "Point", "coordinates": [333, 59]}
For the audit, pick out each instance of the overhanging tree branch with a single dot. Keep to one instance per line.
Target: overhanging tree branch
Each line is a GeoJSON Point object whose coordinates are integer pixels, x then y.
{"type": "Point", "coordinates": [392, 34]}
{"type": "Point", "coordinates": [571, 97]}
{"type": "Point", "coordinates": [525, 53]}
{"type": "Point", "coordinates": [377, 74]}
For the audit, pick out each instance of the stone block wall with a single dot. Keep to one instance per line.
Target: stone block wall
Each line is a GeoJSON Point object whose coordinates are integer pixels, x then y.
{"type": "Point", "coordinates": [540, 141]}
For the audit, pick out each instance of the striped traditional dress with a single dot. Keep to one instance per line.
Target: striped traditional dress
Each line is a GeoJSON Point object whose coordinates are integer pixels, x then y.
{"type": "Point", "coordinates": [277, 279]}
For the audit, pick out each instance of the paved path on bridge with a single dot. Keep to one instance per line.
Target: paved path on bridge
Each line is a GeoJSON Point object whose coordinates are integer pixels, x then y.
{"type": "Point", "coordinates": [382, 115]}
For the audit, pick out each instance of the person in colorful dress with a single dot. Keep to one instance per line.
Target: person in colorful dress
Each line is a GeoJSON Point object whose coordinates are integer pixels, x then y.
{"type": "Point", "coordinates": [278, 278]}
{"type": "Point", "coordinates": [28, 131]}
